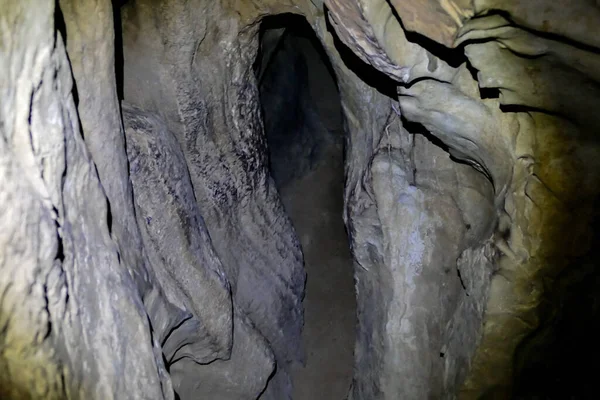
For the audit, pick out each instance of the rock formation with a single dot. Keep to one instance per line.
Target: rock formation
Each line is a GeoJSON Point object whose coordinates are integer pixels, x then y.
{"type": "Point", "coordinates": [145, 251]}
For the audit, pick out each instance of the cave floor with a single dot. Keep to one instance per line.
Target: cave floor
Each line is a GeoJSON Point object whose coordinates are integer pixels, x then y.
{"type": "Point", "coordinates": [315, 204]}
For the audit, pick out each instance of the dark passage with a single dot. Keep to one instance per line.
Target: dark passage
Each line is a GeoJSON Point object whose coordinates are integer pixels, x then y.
{"type": "Point", "coordinates": [303, 123]}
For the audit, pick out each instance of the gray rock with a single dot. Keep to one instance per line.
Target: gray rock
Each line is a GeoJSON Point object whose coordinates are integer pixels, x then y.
{"type": "Point", "coordinates": [209, 330]}
{"type": "Point", "coordinates": [211, 58]}
{"type": "Point", "coordinates": [469, 232]}
{"type": "Point", "coordinates": [72, 320]}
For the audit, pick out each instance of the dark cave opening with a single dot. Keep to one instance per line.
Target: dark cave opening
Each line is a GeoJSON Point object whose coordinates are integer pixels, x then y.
{"type": "Point", "coordinates": [303, 124]}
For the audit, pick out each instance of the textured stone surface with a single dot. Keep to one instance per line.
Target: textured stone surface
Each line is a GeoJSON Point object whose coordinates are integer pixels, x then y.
{"type": "Point", "coordinates": [370, 29]}
{"type": "Point", "coordinates": [409, 218]}
{"type": "Point", "coordinates": [98, 107]}
{"type": "Point", "coordinates": [208, 98]}
{"type": "Point", "coordinates": [572, 19]}
{"type": "Point", "coordinates": [470, 198]}
{"type": "Point", "coordinates": [512, 312]}
{"type": "Point", "coordinates": [437, 20]}
{"type": "Point", "coordinates": [190, 272]}
{"type": "Point", "coordinates": [69, 309]}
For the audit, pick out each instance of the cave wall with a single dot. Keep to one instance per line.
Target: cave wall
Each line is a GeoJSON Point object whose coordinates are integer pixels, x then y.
{"type": "Point", "coordinates": [198, 59]}
{"type": "Point", "coordinates": [517, 135]}
{"type": "Point", "coordinates": [411, 211]}
{"type": "Point", "coordinates": [72, 318]}
{"type": "Point", "coordinates": [144, 247]}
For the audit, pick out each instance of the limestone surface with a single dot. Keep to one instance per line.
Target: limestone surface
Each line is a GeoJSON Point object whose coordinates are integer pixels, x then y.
{"type": "Point", "coordinates": [144, 248]}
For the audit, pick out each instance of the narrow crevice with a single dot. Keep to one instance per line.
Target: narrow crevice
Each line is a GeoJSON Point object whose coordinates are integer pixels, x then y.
{"type": "Point", "coordinates": [484, 93]}
{"type": "Point", "coordinates": [60, 250]}
{"type": "Point", "coordinates": [119, 60]}
{"type": "Point", "coordinates": [59, 23]}
{"type": "Point", "coordinates": [365, 72]}
{"type": "Point", "coordinates": [60, 28]}
{"type": "Point", "coordinates": [109, 219]}
{"type": "Point", "coordinates": [48, 314]}
{"type": "Point", "coordinates": [416, 128]}
{"type": "Point", "coordinates": [268, 379]}
{"type": "Point", "coordinates": [305, 136]}
{"type": "Point", "coordinates": [462, 282]}
{"type": "Point", "coordinates": [421, 79]}
{"type": "Point", "coordinates": [544, 35]}
{"type": "Point", "coordinates": [521, 108]}
{"type": "Point", "coordinates": [489, 93]}
{"type": "Point", "coordinates": [452, 56]}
